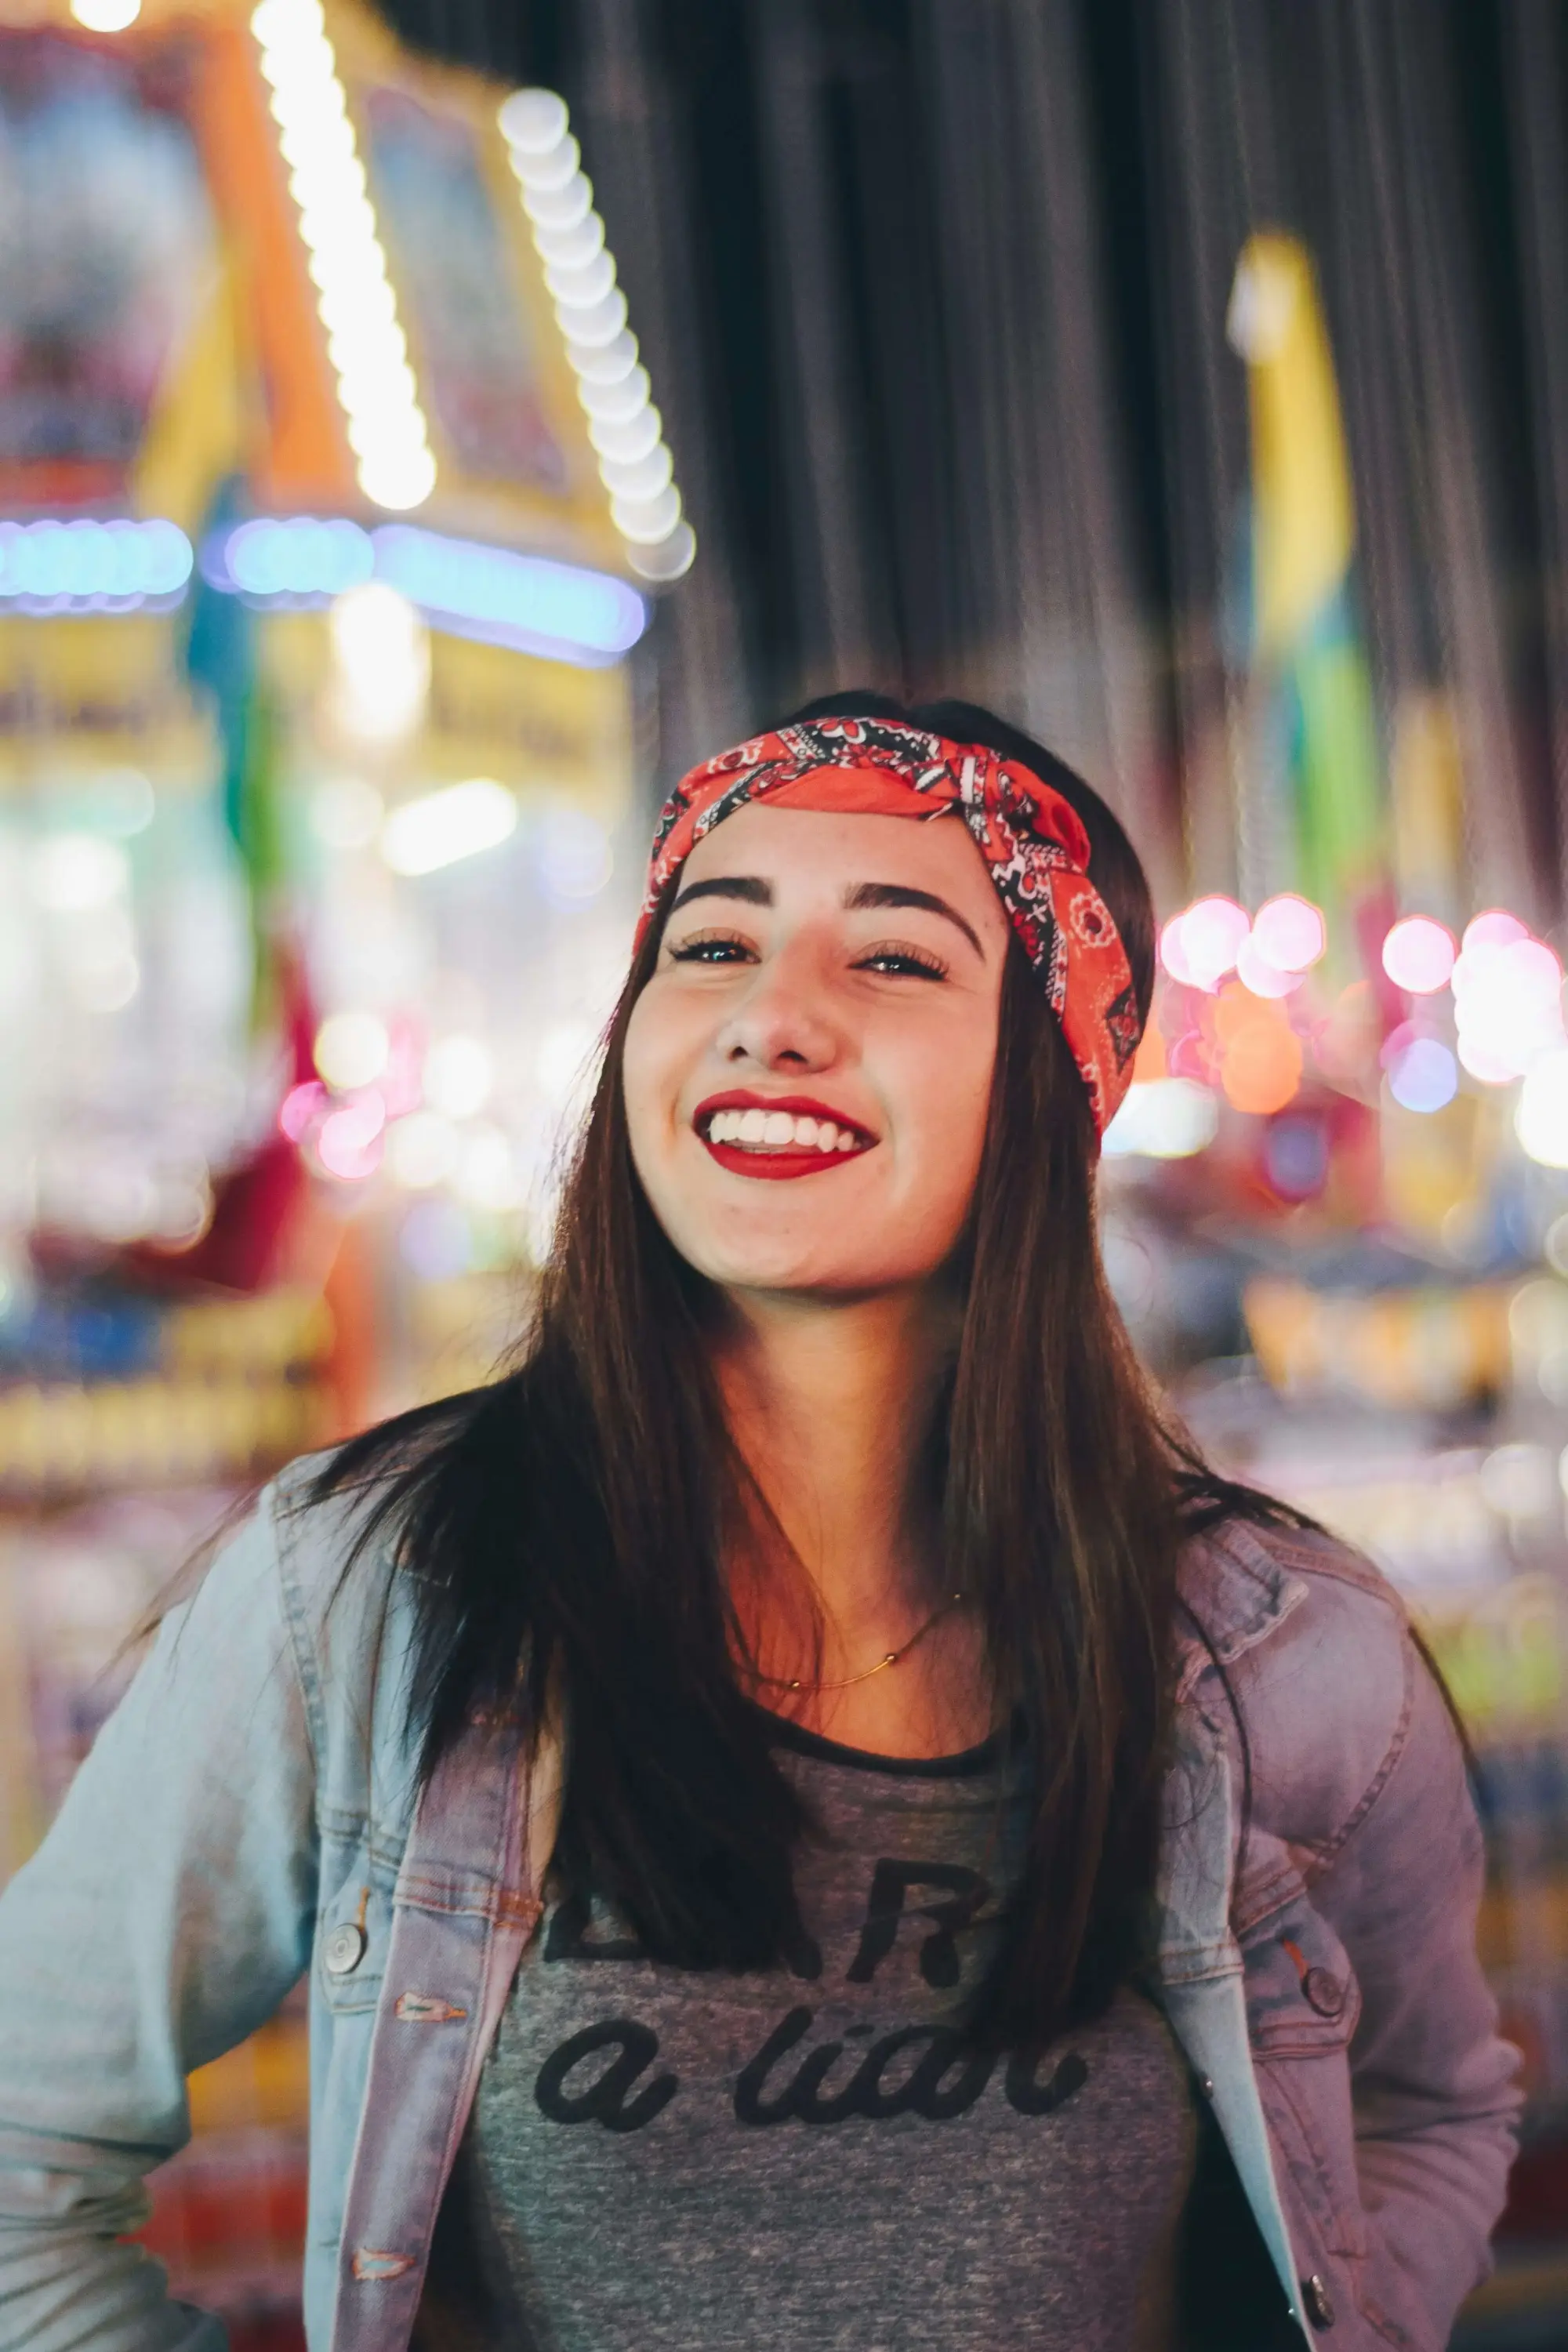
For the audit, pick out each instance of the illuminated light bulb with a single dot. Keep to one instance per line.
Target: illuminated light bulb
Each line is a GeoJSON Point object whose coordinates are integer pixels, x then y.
{"type": "Point", "coordinates": [616, 402]}
{"type": "Point", "coordinates": [534, 121]}
{"type": "Point", "coordinates": [441, 828]}
{"type": "Point", "coordinates": [1166, 1118]}
{"type": "Point", "coordinates": [552, 170]}
{"type": "Point", "coordinates": [667, 558]}
{"type": "Point", "coordinates": [591, 309]}
{"type": "Point", "coordinates": [600, 324]}
{"type": "Point", "coordinates": [386, 428]}
{"type": "Point", "coordinates": [558, 209]}
{"type": "Point", "coordinates": [381, 387]}
{"type": "Point", "coordinates": [605, 364]}
{"type": "Point", "coordinates": [1418, 955]}
{"type": "Point", "coordinates": [644, 521]}
{"type": "Point", "coordinates": [294, 556]}
{"type": "Point", "coordinates": [349, 1144]}
{"type": "Point", "coordinates": [397, 481]}
{"type": "Point", "coordinates": [1289, 932]}
{"type": "Point", "coordinates": [1423, 1076]}
{"type": "Point", "coordinates": [1255, 971]}
{"type": "Point", "coordinates": [351, 1050]}
{"type": "Point", "coordinates": [573, 248]}
{"type": "Point", "coordinates": [324, 139]}
{"type": "Point", "coordinates": [581, 285]}
{"type": "Point", "coordinates": [89, 566]}
{"type": "Point", "coordinates": [1212, 933]}
{"type": "Point", "coordinates": [370, 341]}
{"type": "Point", "coordinates": [1541, 1120]}
{"type": "Point", "coordinates": [1494, 928]}
{"type": "Point", "coordinates": [642, 482]}
{"type": "Point", "coordinates": [74, 873]}
{"type": "Point", "coordinates": [105, 16]}
{"type": "Point", "coordinates": [458, 1075]}
{"type": "Point", "coordinates": [625, 439]}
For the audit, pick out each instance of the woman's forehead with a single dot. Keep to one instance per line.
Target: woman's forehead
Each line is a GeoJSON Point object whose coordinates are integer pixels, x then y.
{"type": "Point", "coordinates": [820, 849]}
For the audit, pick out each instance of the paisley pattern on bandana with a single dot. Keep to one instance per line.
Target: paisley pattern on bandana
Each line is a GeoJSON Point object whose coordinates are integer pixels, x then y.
{"type": "Point", "coordinates": [1032, 839]}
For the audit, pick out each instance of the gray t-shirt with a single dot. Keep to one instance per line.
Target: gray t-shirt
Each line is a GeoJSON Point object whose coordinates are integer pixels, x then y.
{"type": "Point", "coordinates": [807, 2157]}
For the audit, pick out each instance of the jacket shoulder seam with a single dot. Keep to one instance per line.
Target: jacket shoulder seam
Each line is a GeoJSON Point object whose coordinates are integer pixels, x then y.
{"type": "Point", "coordinates": [307, 1666]}
{"type": "Point", "coordinates": [1327, 1854]}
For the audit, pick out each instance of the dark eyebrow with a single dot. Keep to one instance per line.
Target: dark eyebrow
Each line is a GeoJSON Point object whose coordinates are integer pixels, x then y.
{"type": "Point", "coordinates": [749, 887]}
{"type": "Point", "coordinates": [866, 895]}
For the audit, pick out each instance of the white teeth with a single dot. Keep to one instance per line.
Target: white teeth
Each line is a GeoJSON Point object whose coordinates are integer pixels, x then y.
{"type": "Point", "coordinates": [778, 1130]}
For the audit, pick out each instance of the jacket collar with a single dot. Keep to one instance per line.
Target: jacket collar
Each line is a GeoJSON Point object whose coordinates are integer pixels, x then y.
{"type": "Point", "coordinates": [1239, 1588]}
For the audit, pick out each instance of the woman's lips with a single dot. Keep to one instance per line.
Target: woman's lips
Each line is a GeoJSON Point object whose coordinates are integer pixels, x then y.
{"type": "Point", "coordinates": [777, 1139]}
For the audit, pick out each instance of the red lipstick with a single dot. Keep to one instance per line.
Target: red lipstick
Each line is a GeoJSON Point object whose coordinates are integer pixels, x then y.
{"type": "Point", "coordinates": [781, 1161]}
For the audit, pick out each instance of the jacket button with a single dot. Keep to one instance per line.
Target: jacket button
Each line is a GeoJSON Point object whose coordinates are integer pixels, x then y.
{"type": "Point", "coordinates": [1318, 2302]}
{"type": "Point", "coordinates": [1324, 1991]}
{"type": "Point", "coordinates": [343, 1949]}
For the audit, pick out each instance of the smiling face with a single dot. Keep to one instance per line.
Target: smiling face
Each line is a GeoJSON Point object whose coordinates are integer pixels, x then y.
{"type": "Point", "coordinates": [808, 1070]}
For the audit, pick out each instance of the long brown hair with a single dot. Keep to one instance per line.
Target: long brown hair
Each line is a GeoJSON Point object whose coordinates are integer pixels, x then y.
{"type": "Point", "coordinates": [562, 1525]}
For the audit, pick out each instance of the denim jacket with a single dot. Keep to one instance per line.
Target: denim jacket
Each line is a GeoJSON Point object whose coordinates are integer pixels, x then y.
{"type": "Point", "coordinates": [250, 1812]}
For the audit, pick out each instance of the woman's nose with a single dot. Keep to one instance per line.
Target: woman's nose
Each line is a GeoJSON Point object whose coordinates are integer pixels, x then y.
{"type": "Point", "coordinates": [782, 1024]}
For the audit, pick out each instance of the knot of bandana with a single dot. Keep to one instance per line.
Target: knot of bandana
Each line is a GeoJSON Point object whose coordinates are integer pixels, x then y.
{"type": "Point", "coordinates": [1032, 839]}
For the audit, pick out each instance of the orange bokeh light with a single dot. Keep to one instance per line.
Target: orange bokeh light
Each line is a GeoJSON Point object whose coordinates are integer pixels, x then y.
{"type": "Point", "coordinates": [1259, 1053]}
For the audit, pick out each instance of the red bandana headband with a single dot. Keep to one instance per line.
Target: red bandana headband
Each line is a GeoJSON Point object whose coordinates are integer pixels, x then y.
{"type": "Point", "coordinates": [1032, 839]}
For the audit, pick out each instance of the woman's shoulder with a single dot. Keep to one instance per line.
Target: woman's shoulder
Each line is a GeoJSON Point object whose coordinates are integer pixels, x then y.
{"type": "Point", "coordinates": [1314, 1649]}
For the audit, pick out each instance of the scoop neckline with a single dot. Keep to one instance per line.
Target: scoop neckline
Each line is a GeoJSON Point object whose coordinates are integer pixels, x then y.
{"type": "Point", "coordinates": [966, 1764]}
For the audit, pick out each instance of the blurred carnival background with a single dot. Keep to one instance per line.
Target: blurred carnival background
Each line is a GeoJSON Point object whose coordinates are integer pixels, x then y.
{"type": "Point", "coordinates": [1187, 378]}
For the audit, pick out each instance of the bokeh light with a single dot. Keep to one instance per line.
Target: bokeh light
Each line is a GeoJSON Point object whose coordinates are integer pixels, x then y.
{"type": "Point", "coordinates": [441, 828]}
{"type": "Point", "coordinates": [1541, 1120]}
{"type": "Point", "coordinates": [352, 1050]}
{"type": "Point", "coordinates": [1289, 932]}
{"type": "Point", "coordinates": [1418, 955]}
{"type": "Point", "coordinates": [1168, 1119]}
{"type": "Point", "coordinates": [1423, 1076]}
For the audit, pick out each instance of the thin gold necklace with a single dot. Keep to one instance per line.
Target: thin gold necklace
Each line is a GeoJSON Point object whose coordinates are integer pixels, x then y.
{"type": "Point", "coordinates": [783, 1681]}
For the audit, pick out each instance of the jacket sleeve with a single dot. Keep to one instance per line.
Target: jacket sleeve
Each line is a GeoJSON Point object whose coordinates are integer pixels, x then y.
{"type": "Point", "coordinates": [166, 1915]}
{"type": "Point", "coordinates": [1434, 2088]}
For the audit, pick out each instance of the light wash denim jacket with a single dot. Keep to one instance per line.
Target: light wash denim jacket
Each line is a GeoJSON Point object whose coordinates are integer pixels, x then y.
{"type": "Point", "coordinates": [251, 1805]}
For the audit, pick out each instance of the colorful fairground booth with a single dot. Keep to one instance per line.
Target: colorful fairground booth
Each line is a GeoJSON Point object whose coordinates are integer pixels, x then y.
{"type": "Point", "coordinates": [332, 502]}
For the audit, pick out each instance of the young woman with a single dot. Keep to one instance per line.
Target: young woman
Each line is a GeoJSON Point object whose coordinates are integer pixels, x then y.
{"type": "Point", "coordinates": [811, 1817]}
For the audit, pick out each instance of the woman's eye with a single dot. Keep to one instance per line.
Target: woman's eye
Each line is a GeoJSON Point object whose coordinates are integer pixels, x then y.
{"type": "Point", "coordinates": [712, 947]}
{"type": "Point", "coordinates": [901, 963]}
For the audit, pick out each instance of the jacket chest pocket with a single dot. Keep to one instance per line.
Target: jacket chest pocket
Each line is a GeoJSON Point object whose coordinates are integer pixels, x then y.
{"type": "Point", "coordinates": [1302, 2006]}
{"type": "Point", "coordinates": [351, 1935]}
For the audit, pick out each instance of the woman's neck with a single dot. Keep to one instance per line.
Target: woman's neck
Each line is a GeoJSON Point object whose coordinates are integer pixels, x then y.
{"type": "Point", "coordinates": [829, 1405]}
